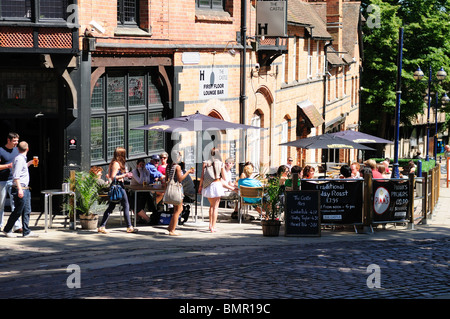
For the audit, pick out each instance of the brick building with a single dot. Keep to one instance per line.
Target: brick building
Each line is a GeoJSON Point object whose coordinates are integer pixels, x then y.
{"type": "Point", "coordinates": [78, 76]}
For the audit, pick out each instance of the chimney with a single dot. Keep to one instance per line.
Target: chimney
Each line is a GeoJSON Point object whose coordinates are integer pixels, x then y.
{"type": "Point", "coordinates": [334, 22]}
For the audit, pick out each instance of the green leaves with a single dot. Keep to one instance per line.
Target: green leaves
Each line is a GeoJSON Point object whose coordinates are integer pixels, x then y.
{"type": "Point", "coordinates": [426, 42]}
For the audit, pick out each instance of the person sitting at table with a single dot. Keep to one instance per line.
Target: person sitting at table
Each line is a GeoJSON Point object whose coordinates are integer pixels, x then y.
{"type": "Point", "coordinates": [155, 175]}
{"type": "Point", "coordinates": [248, 181]}
{"type": "Point", "coordinates": [308, 172]}
{"type": "Point", "coordinates": [294, 170]}
{"type": "Point", "coordinates": [346, 171]}
{"type": "Point", "coordinates": [141, 175]}
{"type": "Point", "coordinates": [163, 164]}
{"type": "Point", "coordinates": [283, 173]}
{"type": "Point", "coordinates": [104, 185]}
{"type": "Point", "coordinates": [373, 166]}
{"type": "Point", "coordinates": [355, 167]}
{"type": "Point", "coordinates": [152, 168]}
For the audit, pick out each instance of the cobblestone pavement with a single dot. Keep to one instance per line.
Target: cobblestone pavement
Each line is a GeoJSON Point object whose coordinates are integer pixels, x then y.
{"type": "Point", "coordinates": [235, 263]}
{"type": "Point", "coordinates": [408, 268]}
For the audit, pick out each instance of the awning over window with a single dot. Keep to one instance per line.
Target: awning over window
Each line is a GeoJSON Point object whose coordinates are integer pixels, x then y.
{"type": "Point", "coordinates": [309, 111]}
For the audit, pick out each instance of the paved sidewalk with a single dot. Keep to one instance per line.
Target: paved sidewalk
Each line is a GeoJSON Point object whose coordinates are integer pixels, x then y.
{"type": "Point", "coordinates": [235, 262]}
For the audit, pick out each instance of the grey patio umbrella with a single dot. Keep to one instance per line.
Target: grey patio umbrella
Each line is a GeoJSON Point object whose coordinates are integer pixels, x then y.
{"type": "Point", "coordinates": [194, 123]}
{"type": "Point", "coordinates": [359, 137]}
{"type": "Point", "coordinates": [325, 141]}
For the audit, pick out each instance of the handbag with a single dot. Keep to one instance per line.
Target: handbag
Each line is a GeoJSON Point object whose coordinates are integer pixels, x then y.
{"type": "Point", "coordinates": [115, 194]}
{"type": "Point", "coordinates": [174, 191]}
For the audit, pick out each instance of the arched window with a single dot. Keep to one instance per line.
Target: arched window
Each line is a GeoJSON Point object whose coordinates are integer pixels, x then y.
{"type": "Point", "coordinates": [254, 141]}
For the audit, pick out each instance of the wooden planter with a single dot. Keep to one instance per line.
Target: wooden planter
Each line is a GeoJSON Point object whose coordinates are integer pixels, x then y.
{"type": "Point", "coordinates": [89, 222]}
{"type": "Point", "coordinates": [271, 228]}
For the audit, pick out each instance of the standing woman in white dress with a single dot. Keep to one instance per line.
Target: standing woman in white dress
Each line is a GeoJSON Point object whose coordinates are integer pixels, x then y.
{"type": "Point", "coordinates": [212, 185]}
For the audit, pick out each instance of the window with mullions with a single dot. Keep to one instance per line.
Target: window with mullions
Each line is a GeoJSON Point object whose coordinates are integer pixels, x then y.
{"type": "Point", "coordinates": [120, 103]}
{"type": "Point", "coordinates": [26, 9]}
{"type": "Point", "coordinates": [212, 4]}
{"type": "Point", "coordinates": [127, 12]}
{"type": "Point", "coordinates": [16, 9]}
{"type": "Point", "coordinates": [53, 9]}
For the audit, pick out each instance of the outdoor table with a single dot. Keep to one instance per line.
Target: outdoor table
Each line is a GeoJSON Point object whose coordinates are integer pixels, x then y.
{"type": "Point", "coordinates": [48, 195]}
{"type": "Point", "coordinates": [151, 188]}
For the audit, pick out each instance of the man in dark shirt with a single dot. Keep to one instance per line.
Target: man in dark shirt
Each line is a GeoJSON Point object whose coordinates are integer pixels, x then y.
{"type": "Point", "coordinates": [7, 154]}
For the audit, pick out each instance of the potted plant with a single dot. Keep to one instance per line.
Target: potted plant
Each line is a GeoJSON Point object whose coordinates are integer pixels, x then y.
{"type": "Point", "coordinates": [86, 189]}
{"type": "Point", "coordinates": [271, 225]}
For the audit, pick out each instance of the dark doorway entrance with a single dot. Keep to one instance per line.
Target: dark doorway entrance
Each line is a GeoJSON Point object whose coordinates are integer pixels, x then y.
{"type": "Point", "coordinates": [45, 139]}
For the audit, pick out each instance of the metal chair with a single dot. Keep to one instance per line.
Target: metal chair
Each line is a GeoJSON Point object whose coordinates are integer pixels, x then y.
{"type": "Point", "coordinates": [250, 192]}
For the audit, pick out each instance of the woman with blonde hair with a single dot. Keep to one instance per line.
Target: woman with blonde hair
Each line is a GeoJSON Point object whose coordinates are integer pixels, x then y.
{"type": "Point", "coordinates": [212, 185]}
{"type": "Point", "coordinates": [116, 171]}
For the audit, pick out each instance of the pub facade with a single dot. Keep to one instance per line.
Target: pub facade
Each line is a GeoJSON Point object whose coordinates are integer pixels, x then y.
{"type": "Point", "coordinates": [78, 76]}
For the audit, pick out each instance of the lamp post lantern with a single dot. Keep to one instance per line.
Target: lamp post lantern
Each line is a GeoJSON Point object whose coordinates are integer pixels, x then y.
{"type": "Point", "coordinates": [445, 99]}
{"type": "Point", "coordinates": [440, 75]}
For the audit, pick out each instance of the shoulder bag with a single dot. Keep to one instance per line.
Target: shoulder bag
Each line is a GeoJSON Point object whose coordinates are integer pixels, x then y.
{"type": "Point", "coordinates": [115, 192]}
{"type": "Point", "coordinates": [174, 191]}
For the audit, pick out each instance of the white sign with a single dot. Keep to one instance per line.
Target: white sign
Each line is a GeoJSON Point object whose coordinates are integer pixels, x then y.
{"type": "Point", "coordinates": [271, 18]}
{"type": "Point", "coordinates": [381, 200]}
{"type": "Point", "coordinates": [213, 83]}
{"type": "Point", "coordinates": [190, 58]}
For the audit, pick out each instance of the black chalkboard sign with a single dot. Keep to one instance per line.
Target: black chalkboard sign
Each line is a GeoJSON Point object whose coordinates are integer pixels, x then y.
{"type": "Point", "coordinates": [302, 214]}
{"type": "Point", "coordinates": [391, 200]}
{"type": "Point", "coordinates": [340, 200]}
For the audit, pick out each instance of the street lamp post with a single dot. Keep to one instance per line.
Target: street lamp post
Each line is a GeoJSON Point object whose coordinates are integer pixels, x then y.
{"type": "Point", "coordinates": [418, 75]}
{"type": "Point", "coordinates": [445, 100]}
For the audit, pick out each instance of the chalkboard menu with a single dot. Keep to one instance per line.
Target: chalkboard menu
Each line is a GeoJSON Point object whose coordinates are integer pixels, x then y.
{"type": "Point", "coordinates": [390, 200]}
{"type": "Point", "coordinates": [340, 200]}
{"type": "Point", "coordinates": [302, 214]}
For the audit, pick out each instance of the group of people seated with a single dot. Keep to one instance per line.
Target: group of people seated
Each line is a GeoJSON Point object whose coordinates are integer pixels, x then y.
{"type": "Point", "coordinates": [153, 172]}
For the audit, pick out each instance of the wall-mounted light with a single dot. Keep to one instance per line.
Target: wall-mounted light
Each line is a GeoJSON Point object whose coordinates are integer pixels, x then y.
{"type": "Point", "coordinates": [231, 51]}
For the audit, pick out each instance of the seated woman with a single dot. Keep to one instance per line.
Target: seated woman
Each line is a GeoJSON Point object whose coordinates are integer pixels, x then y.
{"type": "Point", "coordinates": [346, 172]}
{"type": "Point", "coordinates": [103, 185]}
{"type": "Point", "coordinates": [308, 172]}
{"type": "Point", "coordinates": [248, 181]}
{"type": "Point", "coordinates": [141, 176]}
{"type": "Point", "coordinates": [283, 174]}
{"type": "Point", "coordinates": [294, 170]}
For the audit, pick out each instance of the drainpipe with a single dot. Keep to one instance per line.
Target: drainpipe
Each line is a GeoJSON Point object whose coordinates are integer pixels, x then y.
{"type": "Point", "coordinates": [243, 97]}
{"type": "Point", "coordinates": [325, 49]}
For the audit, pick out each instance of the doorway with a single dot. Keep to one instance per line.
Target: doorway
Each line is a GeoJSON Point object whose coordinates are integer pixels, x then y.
{"type": "Point", "coordinates": [45, 139]}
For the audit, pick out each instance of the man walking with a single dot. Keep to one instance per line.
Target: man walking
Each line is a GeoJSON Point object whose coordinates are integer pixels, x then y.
{"type": "Point", "coordinates": [21, 194]}
{"type": "Point", "coordinates": [7, 154]}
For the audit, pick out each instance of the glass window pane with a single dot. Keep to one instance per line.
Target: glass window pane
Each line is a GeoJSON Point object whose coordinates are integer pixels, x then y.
{"type": "Point", "coordinates": [129, 11]}
{"type": "Point", "coordinates": [116, 92]}
{"type": "Point", "coordinates": [136, 90]}
{"type": "Point", "coordinates": [153, 94]}
{"type": "Point", "coordinates": [97, 139]}
{"type": "Point", "coordinates": [116, 134]}
{"type": "Point", "coordinates": [97, 95]}
{"type": "Point", "coordinates": [15, 9]}
{"type": "Point", "coordinates": [217, 3]}
{"type": "Point", "coordinates": [155, 138]}
{"type": "Point", "coordinates": [204, 3]}
{"type": "Point", "coordinates": [136, 138]}
{"type": "Point", "coordinates": [53, 9]}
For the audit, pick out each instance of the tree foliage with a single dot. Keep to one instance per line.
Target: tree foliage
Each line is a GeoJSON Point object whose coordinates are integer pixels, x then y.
{"type": "Point", "coordinates": [426, 42]}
